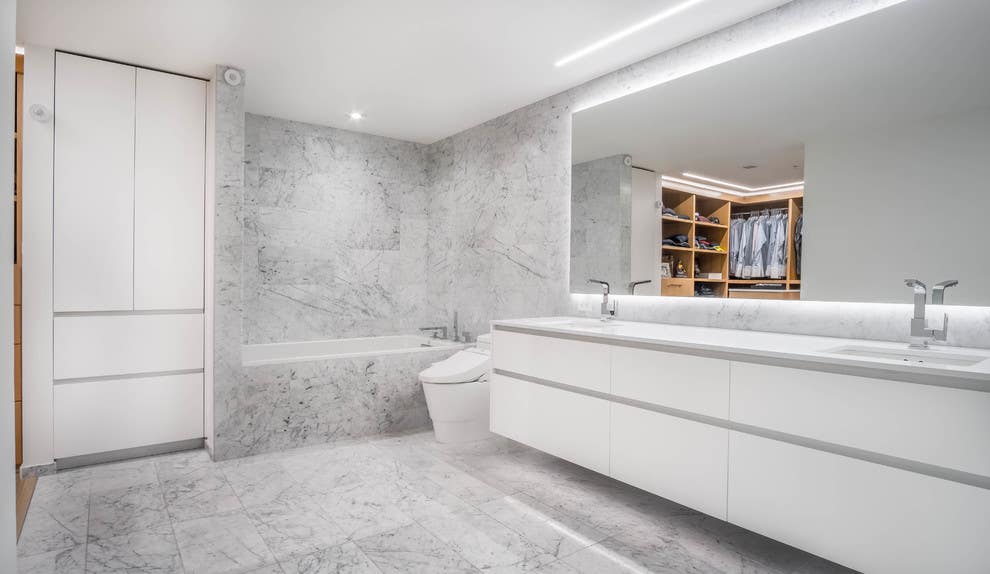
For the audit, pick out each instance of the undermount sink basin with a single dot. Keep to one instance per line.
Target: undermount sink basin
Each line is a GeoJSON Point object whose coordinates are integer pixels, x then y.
{"type": "Point", "coordinates": [910, 356]}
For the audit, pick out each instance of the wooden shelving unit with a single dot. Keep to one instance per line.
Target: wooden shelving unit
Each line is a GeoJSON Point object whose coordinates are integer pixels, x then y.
{"type": "Point", "coordinates": [698, 261]}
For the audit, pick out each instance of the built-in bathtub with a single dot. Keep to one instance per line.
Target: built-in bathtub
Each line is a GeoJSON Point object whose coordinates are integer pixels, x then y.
{"type": "Point", "coordinates": [273, 353]}
{"type": "Point", "coordinates": [310, 392]}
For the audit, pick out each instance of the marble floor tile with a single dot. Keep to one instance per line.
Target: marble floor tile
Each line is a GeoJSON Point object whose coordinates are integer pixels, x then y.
{"type": "Point", "coordinates": [479, 538]}
{"type": "Point", "coordinates": [616, 557]}
{"type": "Point", "coordinates": [269, 569]}
{"type": "Point", "coordinates": [362, 510]}
{"type": "Point", "coordinates": [199, 492]}
{"type": "Point", "coordinates": [59, 513]}
{"type": "Point", "coordinates": [221, 544]}
{"type": "Point", "coordinates": [65, 561]}
{"type": "Point", "coordinates": [119, 475]}
{"type": "Point", "coordinates": [257, 482]}
{"type": "Point", "coordinates": [128, 510]}
{"type": "Point", "coordinates": [326, 470]}
{"type": "Point", "coordinates": [413, 550]}
{"type": "Point", "coordinates": [181, 464]}
{"type": "Point", "coordinates": [295, 524]}
{"type": "Point", "coordinates": [346, 558]}
{"type": "Point", "coordinates": [136, 553]}
{"type": "Point", "coordinates": [550, 529]}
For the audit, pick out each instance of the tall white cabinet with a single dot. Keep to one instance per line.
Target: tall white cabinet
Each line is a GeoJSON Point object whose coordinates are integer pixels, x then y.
{"type": "Point", "coordinates": [130, 163]}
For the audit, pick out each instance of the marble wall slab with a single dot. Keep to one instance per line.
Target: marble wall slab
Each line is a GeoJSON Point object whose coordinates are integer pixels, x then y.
{"type": "Point", "coordinates": [335, 233]}
{"type": "Point", "coordinates": [299, 404]}
{"type": "Point", "coordinates": [601, 223]}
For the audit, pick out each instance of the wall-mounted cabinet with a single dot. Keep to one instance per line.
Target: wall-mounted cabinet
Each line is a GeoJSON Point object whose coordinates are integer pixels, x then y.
{"type": "Point", "coordinates": [129, 187]}
{"type": "Point", "coordinates": [878, 475]}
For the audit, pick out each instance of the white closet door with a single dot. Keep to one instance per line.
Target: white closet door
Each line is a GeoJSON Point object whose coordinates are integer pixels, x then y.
{"type": "Point", "coordinates": [170, 165]}
{"type": "Point", "coordinates": [94, 185]}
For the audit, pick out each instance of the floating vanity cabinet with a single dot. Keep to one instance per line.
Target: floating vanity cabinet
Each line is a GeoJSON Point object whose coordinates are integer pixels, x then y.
{"type": "Point", "coordinates": [867, 516]}
{"type": "Point", "coordinates": [859, 467]}
{"type": "Point", "coordinates": [568, 425]}
{"type": "Point", "coordinates": [943, 426]}
{"type": "Point", "coordinates": [679, 459]}
{"type": "Point", "coordinates": [129, 204]}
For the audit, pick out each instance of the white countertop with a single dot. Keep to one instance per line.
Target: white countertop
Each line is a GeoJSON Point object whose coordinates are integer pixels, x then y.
{"type": "Point", "coordinates": [797, 351]}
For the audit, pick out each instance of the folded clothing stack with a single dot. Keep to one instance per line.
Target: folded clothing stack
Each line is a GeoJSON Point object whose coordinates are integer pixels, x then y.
{"type": "Point", "coordinates": [679, 240]}
{"type": "Point", "coordinates": [668, 212]}
{"type": "Point", "coordinates": [702, 242]}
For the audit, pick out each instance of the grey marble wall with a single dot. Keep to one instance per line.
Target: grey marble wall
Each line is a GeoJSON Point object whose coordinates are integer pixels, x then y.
{"type": "Point", "coordinates": [500, 205]}
{"type": "Point", "coordinates": [601, 224]}
{"type": "Point", "coordinates": [313, 402]}
{"type": "Point", "coordinates": [228, 121]}
{"type": "Point", "coordinates": [335, 233]}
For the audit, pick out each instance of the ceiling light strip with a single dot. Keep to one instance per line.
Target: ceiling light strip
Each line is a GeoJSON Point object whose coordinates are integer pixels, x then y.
{"type": "Point", "coordinates": [795, 187]}
{"type": "Point", "coordinates": [742, 187]}
{"type": "Point", "coordinates": [627, 32]}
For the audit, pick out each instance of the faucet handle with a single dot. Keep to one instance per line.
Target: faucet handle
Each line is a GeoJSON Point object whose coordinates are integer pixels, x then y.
{"type": "Point", "coordinates": [613, 307]}
{"type": "Point", "coordinates": [938, 291]}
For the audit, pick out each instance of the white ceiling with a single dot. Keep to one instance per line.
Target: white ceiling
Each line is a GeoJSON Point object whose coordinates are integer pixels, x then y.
{"type": "Point", "coordinates": [901, 64]}
{"type": "Point", "coordinates": [419, 70]}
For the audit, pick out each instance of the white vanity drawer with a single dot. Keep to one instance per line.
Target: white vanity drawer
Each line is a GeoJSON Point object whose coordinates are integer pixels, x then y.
{"type": "Point", "coordinates": [866, 516]}
{"type": "Point", "coordinates": [936, 425]}
{"type": "Point", "coordinates": [101, 416]}
{"type": "Point", "coordinates": [571, 426]}
{"type": "Point", "coordinates": [565, 361]}
{"type": "Point", "coordinates": [685, 382]}
{"type": "Point", "coordinates": [93, 346]}
{"type": "Point", "coordinates": [681, 460]}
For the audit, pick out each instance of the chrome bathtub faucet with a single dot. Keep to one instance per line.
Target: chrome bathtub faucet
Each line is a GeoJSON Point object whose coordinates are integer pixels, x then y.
{"type": "Point", "coordinates": [438, 332]}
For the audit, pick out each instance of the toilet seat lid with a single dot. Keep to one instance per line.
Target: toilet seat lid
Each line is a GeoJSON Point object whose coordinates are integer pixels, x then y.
{"type": "Point", "coordinates": [462, 367]}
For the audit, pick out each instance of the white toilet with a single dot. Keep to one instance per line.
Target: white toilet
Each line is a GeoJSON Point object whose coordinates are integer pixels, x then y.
{"type": "Point", "coordinates": [457, 394]}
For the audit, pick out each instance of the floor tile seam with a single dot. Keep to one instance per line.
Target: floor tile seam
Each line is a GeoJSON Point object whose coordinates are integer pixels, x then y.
{"type": "Point", "coordinates": [458, 552]}
{"type": "Point", "coordinates": [171, 521]}
{"type": "Point", "coordinates": [250, 520]}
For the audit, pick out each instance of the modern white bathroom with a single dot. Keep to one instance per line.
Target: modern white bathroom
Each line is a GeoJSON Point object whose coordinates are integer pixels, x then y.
{"type": "Point", "coordinates": [676, 286]}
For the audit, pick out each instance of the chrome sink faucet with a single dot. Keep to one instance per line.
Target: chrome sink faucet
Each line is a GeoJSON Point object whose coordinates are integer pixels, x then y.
{"type": "Point", "coordinates": [921, 333]}
{"type": "Point", "coordinates": [608, 311]}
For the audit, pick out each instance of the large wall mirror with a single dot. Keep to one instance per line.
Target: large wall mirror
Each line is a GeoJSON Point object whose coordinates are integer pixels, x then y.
{"type": "Point", "coordinates": [831, 167]}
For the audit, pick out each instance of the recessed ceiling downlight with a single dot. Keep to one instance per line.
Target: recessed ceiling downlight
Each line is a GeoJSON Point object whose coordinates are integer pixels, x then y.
{"type": "Point", "coordinates": [356, 116]}
{"type": "Point", "coordinates": [659, 17]}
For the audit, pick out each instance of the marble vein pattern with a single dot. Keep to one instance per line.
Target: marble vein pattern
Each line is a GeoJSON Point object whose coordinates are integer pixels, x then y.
{"type": "Point", "coordinates": [334, 234]}
{"type": "Point", "coordinates": [290, 405]}
{"type": "Point", "coordinates": [601, 224]}
{"type": "Point", "coordinates": [387, 503]}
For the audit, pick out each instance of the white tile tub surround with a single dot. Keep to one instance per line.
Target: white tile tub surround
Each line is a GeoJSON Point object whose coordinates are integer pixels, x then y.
{"type": "Point", "coordinates": [275, 353]}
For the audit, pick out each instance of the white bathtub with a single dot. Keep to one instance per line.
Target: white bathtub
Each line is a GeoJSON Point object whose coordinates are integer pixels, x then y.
{"type": "Point", "coordinates": [275, 353]}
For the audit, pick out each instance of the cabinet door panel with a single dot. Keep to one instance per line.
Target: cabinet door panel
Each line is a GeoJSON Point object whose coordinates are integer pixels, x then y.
{"type": "Point", "coordinates": [169, 180]}
{"type": "Point", "coordinates": [94, 185]}
{"type": "Point", "coordinates": [577, 363]}
{"type": "Point", "coordinates": [569, 425]}
{"type": "Point", "coordinates": [936, 425]}
{"type": "Point", "coordinates": [127, 344]}
{"type": "Point", "coordinates": [681, 460]}
{"type": "Point", "coordinates": [866, 516]}
{"type": "Point", "coordinates": [694, 384]}
{"type": "Point", "coordinates": [102, 416]}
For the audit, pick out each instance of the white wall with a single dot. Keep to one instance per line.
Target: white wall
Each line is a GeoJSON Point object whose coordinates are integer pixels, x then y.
{"type": "Point", "coordinates": [8, 557]}
{"type": "Point", "coordinates": [36, 334]}
{"type": "Point", "coordinates": [908, 201]}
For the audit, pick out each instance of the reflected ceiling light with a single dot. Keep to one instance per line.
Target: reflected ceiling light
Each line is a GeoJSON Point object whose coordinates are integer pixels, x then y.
{"type": "Point", "coordinates": [19, 50]}
{"type": "Point", "coordinates": [720, 189]}
{"type": "Point", "coordinates": [627, 32]}
{"type": "Point", "coordinates": [742, 187]}
{"type": "Point", "coordinates": [356, 116]}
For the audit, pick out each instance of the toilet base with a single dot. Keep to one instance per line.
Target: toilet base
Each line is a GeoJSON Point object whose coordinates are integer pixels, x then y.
{"type": "Point", "coordinates": [455, 432]}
